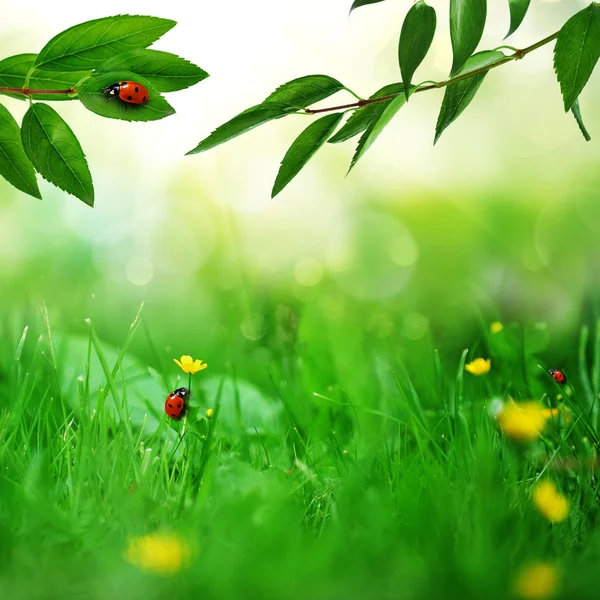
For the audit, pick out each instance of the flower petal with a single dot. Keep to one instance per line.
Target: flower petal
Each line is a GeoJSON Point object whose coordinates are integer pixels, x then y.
{"type": "Point", "coordinates": [550, 502]}
{"type": "Point", "coordinates": [496, 327]}
{"type": "Point", "coordinates": [479, 366]}
{"type": "Point", "coordinates": [523, 421]}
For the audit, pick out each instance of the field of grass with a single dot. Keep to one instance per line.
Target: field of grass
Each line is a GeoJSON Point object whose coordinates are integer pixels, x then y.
{"type": "Point", "coordinates": [348, 454]}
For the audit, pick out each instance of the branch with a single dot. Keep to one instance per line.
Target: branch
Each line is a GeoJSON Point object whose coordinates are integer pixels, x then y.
{"type": "Point", "coordinates": [29, 92]}
{"type": "Point", "coordinates": [517, 55]}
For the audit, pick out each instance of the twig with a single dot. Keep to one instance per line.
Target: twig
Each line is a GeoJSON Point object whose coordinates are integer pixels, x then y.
{"type": "Point", "coordinates": [29, 92]}
{"type": "Point", "coordinates": [517, 55]}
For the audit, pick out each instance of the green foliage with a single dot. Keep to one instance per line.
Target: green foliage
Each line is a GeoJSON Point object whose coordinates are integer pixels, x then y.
{"type": "Point", "coordinates": [460, 94]}
{"type": "Point", "coordinates": [86, 58]}
{"type": "Point", "coordinates": [305, 91]}
{"type": "Point", "coordinates": [15, 167]}
{"type": "Point", "coordinates": [55, 152]}
{"type": "Point", "coordinates": [467, 21]}
{"type": "Point", "coordinates": [93, 98]}
{"type": "Point", "coordinates": [376, 126]}
{"type": "Point", "coordinates": [88, 45]}
{"type": "Point", "coordinates": [80, 63]}
{"type": "Point", "coordinates": [249, 119]}
{"type": "Point", "coordinates": [166, 72]}
{"type": "Point", "coordinates": [518, 10]}
{"type": "Point", "coordinates": [359, 3]}
{"type": "Point", "coordinates": [362, 117]}
{"type": "Point", "coordinates": [15, 70]}
{"type": "Point", "coordinates": [416, 36]}
{"type": "Point", "coordinates": [304, 148]}
{"type": "Point", "coordinates": [401, 463]}
{"type": "Point", "coordinates": [577, 51]}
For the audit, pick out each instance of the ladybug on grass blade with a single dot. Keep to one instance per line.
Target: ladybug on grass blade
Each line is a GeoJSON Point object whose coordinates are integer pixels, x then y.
{"type": "Point", "coordinates": [558, 376]}
{"type": "Point", "coordinates": [175, 406]}
{"type": "Point", "coordinates": [129, 92]}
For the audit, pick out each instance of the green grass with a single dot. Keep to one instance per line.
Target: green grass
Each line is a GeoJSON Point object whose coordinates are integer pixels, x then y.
{"type": "Point", "coordinates": [350, 454]}
{"type": "Point", "coordinates": [344, 471]}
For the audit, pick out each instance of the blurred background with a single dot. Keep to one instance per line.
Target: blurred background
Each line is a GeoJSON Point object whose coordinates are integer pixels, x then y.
{"type": "Point", "coordinates": [500, 221]}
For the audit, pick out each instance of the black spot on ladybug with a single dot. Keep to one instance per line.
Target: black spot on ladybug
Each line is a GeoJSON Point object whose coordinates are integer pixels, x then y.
{"type": "Point", "coordinates": [129, 97]}
{"type": "Point", "coordinates": [179, 405]}
{"type": "Point", "coordinates": [137, 89]}
{"type": "Point", "coordinates": [170, 405]}
{"type": "Point", "coordinates": [144, 99]}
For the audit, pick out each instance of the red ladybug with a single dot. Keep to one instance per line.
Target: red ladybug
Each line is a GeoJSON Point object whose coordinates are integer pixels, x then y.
{"type": "Point", "coordinates": [557, 375]}
{"type": "Point", "coordinates": [130, 92]}
{"type": "Point", "coordinates": [175, 403]}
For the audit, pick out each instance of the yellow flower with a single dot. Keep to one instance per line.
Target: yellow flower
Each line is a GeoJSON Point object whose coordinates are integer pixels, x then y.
{"type": "Point", "coordinates": [550, 412]}
{"type": "Point", "coordinates": [189, 365]}
{"type": "Point", "coordinates": [160, 553]}
{"type": "Point", "coordinates": [550, 502]}
{"type": "Point", "coordinates": [210, 413]}
{"type": "Point", "coordinates": [522, 421]}
{"type": "Point", "coordinates": [479, 366]}
{"type": "Point", "coordinates": [537, 581]}
{"type": "Point", "coordinates": [496, 327]}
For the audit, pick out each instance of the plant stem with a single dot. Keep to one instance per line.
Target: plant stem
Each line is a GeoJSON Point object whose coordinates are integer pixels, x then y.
{"type": "Point", "coordinates": [517, 55]}
{"type": "Point", "coordinates": [184, 424]}
{"type": "Point", "coordinates": [29, 92]}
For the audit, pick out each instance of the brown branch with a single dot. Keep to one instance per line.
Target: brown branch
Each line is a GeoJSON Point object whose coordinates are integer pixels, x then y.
{"type": "Point", "coordinates": [29, 92]}
{"type": "Point", "coordinates": [517, 55]}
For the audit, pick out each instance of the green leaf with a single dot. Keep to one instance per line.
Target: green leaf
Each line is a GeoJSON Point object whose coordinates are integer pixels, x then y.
{"type": "Point", "coordinates": [15, 167]}
{"type": "Point", "coordinates": [304, 148]}
{"type": "Point", "coordinates": [376, 127]}
{"type": "Point", "coordinates": [55, 152]}
{"type": "Point", "coordinates": [92, 96]}
{"type": "Point", "coordinates": [416, 36]}
{"type": "Point", "coordinates": [14, 70]}
{"type": "Point", "coordinates": [166, 72]}
{"type": "Point", "coordinates": [304, 91]}
{"type": "Point", "coordinates": [467, 21]}
{"type": "Point", "coordinates": [362, 117]}
{"type": "Point", "coordinates": [242, 123]}
{"type": "Point", "coordinates": [86, 46]}
{"type": "Point", "coordinates": [576, 52]}
{"type": "Point", "coordinates": [518, 10]}
{"type": "Point", "coordinates": [577, 114]}
{"type": "Point", "coordinates": [359, 3]}
{"type": "Point", "coordinates": [460, 94]}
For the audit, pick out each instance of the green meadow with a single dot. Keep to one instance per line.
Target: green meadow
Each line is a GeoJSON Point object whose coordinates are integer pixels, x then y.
{"type": "Point", "coordinates": [348, 452]}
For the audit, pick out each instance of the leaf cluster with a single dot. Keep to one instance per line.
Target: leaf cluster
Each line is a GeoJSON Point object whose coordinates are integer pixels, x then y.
{"type": "Point", "coordinates": [78, 64]}
{"type": "Point", "coordinates": [576, 54]}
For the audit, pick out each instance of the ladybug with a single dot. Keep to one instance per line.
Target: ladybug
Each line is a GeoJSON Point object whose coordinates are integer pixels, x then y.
{"type": "Point", "coordinates": [130, 92]}
{"type": "Point", "coordinates": [175, 403]}
{"type": "Point", "coordinates": [558, 376]}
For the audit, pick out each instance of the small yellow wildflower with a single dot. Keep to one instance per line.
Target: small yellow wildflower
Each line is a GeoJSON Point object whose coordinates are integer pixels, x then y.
{"type": "Point", "coordinates": [496, 327]}
{"type": "Point", "coordinates": [189, 365]}
{"type": "Point", "coordinates": [479, 366]}
{"type": "Point", "coordinates": [550, 502]}
{"type": "Point", "coordinates": [210, 413]}
{"type": "Point", "coordinates": [537, 581]}
{"type": "Point", "coordinates": [522, 421]}
{"type": "Point", "coordinates": [160, 553]}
